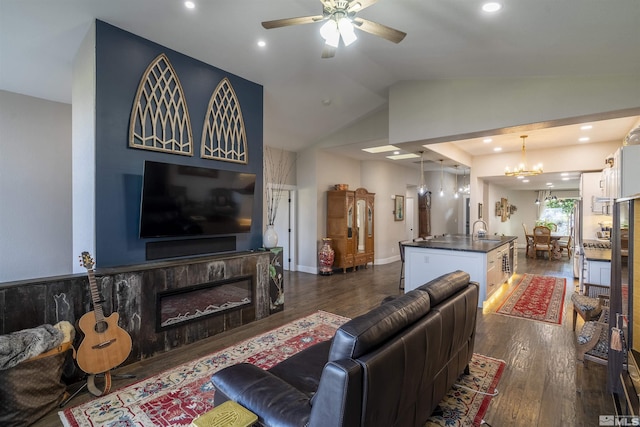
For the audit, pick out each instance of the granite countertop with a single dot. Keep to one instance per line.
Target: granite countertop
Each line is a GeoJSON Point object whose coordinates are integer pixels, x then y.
{"type": "Point", "coordinates": [597, 254]}
{"type": "Point", "coordinates": [462, 242]}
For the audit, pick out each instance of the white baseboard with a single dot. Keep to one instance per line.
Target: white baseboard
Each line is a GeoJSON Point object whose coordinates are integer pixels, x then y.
{"type": "Point", "coordinates": [306, 269]}
{"type": "Point", "coordinates": [389, 260]}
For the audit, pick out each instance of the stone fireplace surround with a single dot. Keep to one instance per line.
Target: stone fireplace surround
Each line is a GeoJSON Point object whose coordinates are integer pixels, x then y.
{"type": "Point", "coordinates": [132, 292]}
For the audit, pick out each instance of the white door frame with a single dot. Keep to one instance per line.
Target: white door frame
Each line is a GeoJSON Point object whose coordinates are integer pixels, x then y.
{"type": "Point", "coordinates": [410, 218]}
{"type": "Point", "coordinates": [288, 238]}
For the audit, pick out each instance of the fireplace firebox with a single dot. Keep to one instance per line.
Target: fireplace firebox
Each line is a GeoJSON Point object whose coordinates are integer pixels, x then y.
{"type": "Point", "coordinates": [189, 304]}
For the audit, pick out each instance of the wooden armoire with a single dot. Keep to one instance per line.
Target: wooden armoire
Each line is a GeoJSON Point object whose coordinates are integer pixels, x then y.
{"type": "Point", "coordinates": [350, 219]}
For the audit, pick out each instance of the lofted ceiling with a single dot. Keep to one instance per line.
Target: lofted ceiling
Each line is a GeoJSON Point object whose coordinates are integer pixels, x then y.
{"type": "Point", "coordinates": [307, 98]}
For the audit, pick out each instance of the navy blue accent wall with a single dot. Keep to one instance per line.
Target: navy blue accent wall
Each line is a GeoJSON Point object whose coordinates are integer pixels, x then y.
{"type": "Point", "coordinates": [121, 60]}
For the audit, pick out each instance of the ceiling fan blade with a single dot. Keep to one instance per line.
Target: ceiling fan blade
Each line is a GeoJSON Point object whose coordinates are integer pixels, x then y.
{"type": "Point", "coordinates": [328, 51]}
{"type": "Point", "coordinates": [357, 5]}
{"type": "Point", "coordinates": [278, 23]}
{"type": "Point", "coordinates": [379, 30]}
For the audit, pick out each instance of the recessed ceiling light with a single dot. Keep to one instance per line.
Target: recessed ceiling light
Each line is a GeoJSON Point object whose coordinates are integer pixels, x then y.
{"type": "Point", "coordinates": [491, 7]}
{"type": "Point", "coordinates": [566, 178]}
{"type": "Point", "coordinates": [262, 43]}
{"type": "Point", "coordinates": [549, 183]}
{"type": "Point", "coordinates": [381, 149]}
{"type": "Point", "coordinates": [395, 153]}
{"type": "Point", "coordinates": [487, 140]}
{"type": "Point", "coordinates": [189, 5]}
{"type": "Point", "coordinates": [496, 149]}
{"type": "Point", "coordinates": [403, 156]}
{"type": "Point", "coordinates": [520, 177]}
{"type": "Point", "coordinates": [564, 174]}
{"type": "Point", "coordinates": [583, 139]}
{"type": "Point", "coordinates": [524, 181]}
{"type": "Point", "coordinates": [586, 127]}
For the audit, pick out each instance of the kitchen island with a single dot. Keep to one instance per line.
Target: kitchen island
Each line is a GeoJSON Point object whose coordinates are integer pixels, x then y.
{"type": "Point", "coordinates": [489, 261]}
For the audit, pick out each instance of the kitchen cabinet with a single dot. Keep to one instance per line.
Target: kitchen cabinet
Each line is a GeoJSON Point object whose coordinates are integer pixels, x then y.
{"type": "Point", "coordinates": [598, 273]}
{"type": "Point", "coordinates": [625, 180]}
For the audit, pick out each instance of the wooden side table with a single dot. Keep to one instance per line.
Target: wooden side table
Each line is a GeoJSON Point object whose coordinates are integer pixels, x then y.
{"type": "Point", "coordinates": [228, 414]}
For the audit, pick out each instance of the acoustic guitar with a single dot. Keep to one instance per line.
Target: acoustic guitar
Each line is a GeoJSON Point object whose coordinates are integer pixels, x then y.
{"type": "Point", "coordinates": [105, 345]}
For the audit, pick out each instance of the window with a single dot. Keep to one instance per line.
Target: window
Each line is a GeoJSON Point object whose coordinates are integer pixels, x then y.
{"type": "Point", "coordinates": [558, 212]}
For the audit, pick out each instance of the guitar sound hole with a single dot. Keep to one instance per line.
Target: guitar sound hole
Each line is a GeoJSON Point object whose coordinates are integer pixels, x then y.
{"type": "Point", "coordinates": [101, 327]}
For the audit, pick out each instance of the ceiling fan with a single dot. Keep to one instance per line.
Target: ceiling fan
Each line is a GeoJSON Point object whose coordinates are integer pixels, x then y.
{"type": "Point", "coordinates": [341, 20]}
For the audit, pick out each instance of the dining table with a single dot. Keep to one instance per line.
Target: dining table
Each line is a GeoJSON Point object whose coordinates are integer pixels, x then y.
{"type": "Point", "coordinates": [555, 242]}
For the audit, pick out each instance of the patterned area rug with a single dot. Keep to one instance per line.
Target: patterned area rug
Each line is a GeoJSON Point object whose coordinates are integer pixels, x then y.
{"type": "Point", "coordinates": [537, 298]}
{"type": "Point", "coordinates": [176, 396]}
{"type": "Point", "coordinates": [467, 403]}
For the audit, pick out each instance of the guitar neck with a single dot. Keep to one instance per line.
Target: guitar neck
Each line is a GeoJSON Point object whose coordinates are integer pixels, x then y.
{"type": "Point", "coordinates": [95, 296]}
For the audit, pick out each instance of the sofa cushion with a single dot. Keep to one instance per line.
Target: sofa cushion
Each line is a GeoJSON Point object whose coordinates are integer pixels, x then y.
{"type": "Point", "coordinates": [365, 333]}
{"type": "Point", "coordinates": [304, 369]}
{"type": "Point", "coordinates": [446, 285]}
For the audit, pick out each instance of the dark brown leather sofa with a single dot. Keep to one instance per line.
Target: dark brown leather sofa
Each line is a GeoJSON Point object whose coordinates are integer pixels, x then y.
{"type": "Point", "coordinates": [388, 367]}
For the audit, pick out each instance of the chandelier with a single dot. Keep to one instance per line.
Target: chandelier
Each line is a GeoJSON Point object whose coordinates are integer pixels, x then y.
{"type": "Point", "coordinates": [422, 189]}
{"type": "Point", "coordinates": [338, 25]}
{"type": "Point", "coordinates": [521, 169]}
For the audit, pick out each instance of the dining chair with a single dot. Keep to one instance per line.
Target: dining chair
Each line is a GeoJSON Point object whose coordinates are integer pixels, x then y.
{"type": "Point", "coordinates": [528, 237]}
{"type": "Point", "coordinates": [542, 239]}
{"type": "Point", "coordinates": [566, 244]}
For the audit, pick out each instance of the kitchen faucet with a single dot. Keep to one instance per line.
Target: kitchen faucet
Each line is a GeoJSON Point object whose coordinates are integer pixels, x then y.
{"type": "Point", "coordinates": [482, 231]}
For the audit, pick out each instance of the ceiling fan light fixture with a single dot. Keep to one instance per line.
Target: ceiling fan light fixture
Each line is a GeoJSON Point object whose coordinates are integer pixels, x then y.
{"type": "Point", "coordinates": [330, 34]}
{"type": "Point", "coordinates": [346, 31]}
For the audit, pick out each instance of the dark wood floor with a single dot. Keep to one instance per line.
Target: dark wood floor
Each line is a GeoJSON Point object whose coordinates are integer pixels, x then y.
{"type": "Point", "coordinates": [538, 387]}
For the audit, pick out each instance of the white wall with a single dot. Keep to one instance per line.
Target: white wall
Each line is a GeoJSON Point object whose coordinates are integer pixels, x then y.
{"type": "Point", "coordinates": [445, 210]}
{"type": "Point", "coordinates": [84, 148]}
{"type": "Point", "coordinates": [386, 180]}
{"type": "Point", "coordinates": [420, 110]}
{"type": "Point", "coordinates": [35, 188]}
{"type": "Point", "coordinates": [318, 171]}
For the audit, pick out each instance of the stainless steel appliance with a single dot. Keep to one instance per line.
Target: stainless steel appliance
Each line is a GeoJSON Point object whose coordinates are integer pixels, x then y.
{"type": "Point", "coordinates": [578, 252]}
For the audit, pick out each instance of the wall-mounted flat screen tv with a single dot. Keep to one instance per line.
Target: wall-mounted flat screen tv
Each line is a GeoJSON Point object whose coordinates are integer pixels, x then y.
{"type": "Point", "coordinates": [180, 200]}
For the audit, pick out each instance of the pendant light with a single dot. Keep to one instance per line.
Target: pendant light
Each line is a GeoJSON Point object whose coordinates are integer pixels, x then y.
{"type": "Point", "coordinates": [466, 187]}
{"type": "Point", "coordinates": [441, 177]}
{"type": "Point", "coordinates": [455, 194]}
{"type": "Point", "coordinates": [422, 189]}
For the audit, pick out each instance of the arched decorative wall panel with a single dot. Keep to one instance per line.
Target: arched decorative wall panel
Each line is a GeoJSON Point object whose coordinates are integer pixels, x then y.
{"type": "Point", "coordinates": [223, 133]}
{"type": "Point", "coordinates": [160, 117]}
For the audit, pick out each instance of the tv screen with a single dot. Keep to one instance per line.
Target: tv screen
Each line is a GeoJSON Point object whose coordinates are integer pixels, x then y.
{"type": "Point", "coordinates": [182, 200]}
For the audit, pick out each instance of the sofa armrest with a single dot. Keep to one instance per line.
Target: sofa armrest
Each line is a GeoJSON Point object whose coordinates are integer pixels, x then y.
{"type": "Point", "coordinates": [273, 400]}
{"type": "Point", "coordinates": [338, 401]}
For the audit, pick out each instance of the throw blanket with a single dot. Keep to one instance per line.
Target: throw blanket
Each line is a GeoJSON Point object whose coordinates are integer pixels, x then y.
{"type": "Point", "coordinates": [27, 343]}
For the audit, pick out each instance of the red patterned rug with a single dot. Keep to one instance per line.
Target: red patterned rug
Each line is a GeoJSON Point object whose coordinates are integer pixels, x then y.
{"type": "Point", "coordinates": [468, 401]}
{"type": "Point", "coordinates": [537, 298]}
{"type": "Point", "coordinates": [176, 396]}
